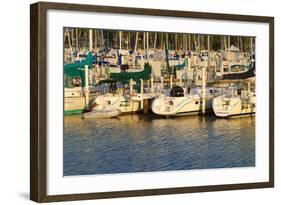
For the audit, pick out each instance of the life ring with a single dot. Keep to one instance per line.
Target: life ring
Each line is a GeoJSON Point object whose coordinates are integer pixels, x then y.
{"type": "Point", "coordinates": [76, 82]}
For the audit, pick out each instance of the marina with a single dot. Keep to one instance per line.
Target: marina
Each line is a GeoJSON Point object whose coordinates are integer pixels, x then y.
{"type": "Point", "coordinates": [147, 101]}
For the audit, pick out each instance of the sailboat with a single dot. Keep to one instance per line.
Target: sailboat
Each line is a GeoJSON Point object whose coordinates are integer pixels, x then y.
{"type": "Point", "coordinates": [115, 97]}
{"type": "Point", "coordinates": [235, 103]}
{"type": "Point", "coordinates": [240, 71]}
{"type": "Point", "coordinates": [180, 102]}
{"type": "Point", "coordinates": [118, 101]}
{"type": "Point", "coordinates": [74, 85]}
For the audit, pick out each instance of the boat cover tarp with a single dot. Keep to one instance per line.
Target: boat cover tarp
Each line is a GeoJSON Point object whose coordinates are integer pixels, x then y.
{"type": "Point", "coordinates": [248, 74]}
{"type": "Point", "coordinates": [77, 70]}
{"type": "Point", "coordinates": [124, 77]}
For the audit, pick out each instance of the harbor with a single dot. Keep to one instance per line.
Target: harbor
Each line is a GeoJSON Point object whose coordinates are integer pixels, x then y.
{"type": "Point", "coordinates": [146, 101]}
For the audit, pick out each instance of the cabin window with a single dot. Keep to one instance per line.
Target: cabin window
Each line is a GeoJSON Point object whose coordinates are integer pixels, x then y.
{"type": "Point", "coordinates": [109, 102]}
{"type": "Point", "coordinates": [196, 102]}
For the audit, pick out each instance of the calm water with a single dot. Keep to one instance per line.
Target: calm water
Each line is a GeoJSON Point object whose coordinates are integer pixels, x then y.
{"type": "Point", "coordinates": [140, 143]}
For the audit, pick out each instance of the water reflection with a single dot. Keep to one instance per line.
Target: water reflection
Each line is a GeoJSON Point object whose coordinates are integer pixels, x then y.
{"type": "Point", "coordinates": [139, 143]}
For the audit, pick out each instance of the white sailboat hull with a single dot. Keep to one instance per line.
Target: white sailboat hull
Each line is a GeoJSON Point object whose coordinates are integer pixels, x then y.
{"type": "Point", "coordinates": [231, 106]}
{"type": "Point", "coordinates": [179, 106]}
{"type": "Point", "coordinates": [125, 105]}
{"type": "Point", "coordinates": [103, 112]}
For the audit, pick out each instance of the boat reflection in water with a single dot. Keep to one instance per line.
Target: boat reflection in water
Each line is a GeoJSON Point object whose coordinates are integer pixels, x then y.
{"type": "Point", "coordinates": [145, 143]}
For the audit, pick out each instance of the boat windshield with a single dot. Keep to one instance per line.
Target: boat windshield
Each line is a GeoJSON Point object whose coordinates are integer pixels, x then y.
{"type": "Point", "coordinates": [108, 87]}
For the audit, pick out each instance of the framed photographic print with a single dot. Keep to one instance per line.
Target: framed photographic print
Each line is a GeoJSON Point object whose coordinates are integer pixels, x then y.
{"type": "Point", "coordinates": [134, 102]}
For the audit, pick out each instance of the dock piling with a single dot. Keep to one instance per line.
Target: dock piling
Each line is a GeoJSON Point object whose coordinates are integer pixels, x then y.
{"type": "Point", "coordinates": [131, 86]}
{"type": "Point", "coordinates": [162, 82]}
{"type": "Point", "coordinates": [204, 89]}
{"type": "Point", "coordinates": [141, 93]}
{"type": "Point", "coordinates": [86, 85]}
{"type": "Point", "coordinates": [152, 87]}
{"type": "Point", "coordinates": [145, 106]}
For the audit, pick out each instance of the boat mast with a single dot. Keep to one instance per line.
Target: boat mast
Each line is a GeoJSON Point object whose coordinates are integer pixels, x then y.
{"type": "Point", "coordinates": [189, 42]}
{"type": "Point", "coordinates": [76, 38]}
{"type": "Point", "coordinates": [204, 88]}
{"type": "Point", "coordinates": [90, 40]}
{"type": "Point", "coordinates": [136, 42]}
{"type": "Point", "coordinates": [198, 43]}
{"type": "Point", "coordinates": [101, 38]}
{"type": "Point", "coordinates": [72, 37]}
{"type": "Point", "coordinates": [228, 53]}
{"type": "Point", "coordinates": [209, 54]}
{"type": "Point", "coordinates": [238, 43]}
{"type": "Point", "coordinates": [166, 41]}
{"type": "Point", "coordinates": [155, 41]}
{"type": "Point", "coordinates": [251, 45]}
{"type": "Point", "coordinates": [167, 54]}
{"type": "Point", "coordinates": [120, 40]}
{"type": "Point", "coordinates": [143, 41]}
{"type": "Point", "coordinates": [147, 41]}
{"type": "Point", "coordinates": [225, 43]}
{"type": "Point", "coordinates": [128, 40]}
{"type": "Point", "coordinates": [147, 45]}
{"type": "Point", "coordinates": [228, 39]}
{"type": "Point", "coordinates": [176, 39]}
{"type": "Point", "coordinates": [96, 39]}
